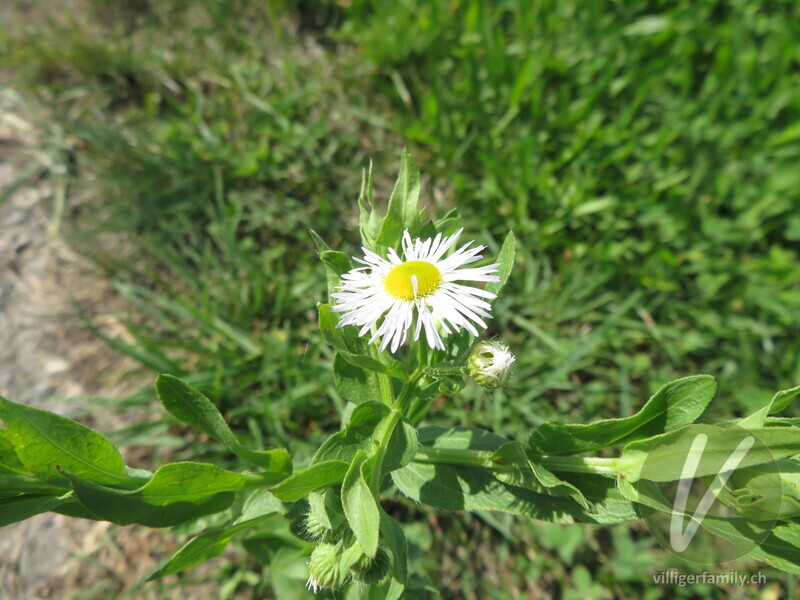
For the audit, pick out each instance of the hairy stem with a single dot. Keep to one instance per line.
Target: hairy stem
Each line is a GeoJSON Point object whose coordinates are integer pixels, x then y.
{"type": "Point", "coordinates": [483, 458]}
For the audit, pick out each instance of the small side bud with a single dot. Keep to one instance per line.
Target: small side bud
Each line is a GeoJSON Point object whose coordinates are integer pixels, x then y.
{"type": "Point", "coordinates": [368, 570]}
{"type": "Point", "coordinates": [490, 364]}
{"type": "Point", "coordinates": [323, 568]}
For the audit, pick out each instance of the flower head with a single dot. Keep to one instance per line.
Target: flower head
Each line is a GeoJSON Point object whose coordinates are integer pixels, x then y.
{"type": "Point", "coordinates": [490, 364]}
{"type": "Point", "coordinates": [323, 568]}
{"type": "Point", "coordinates": [423, 282]}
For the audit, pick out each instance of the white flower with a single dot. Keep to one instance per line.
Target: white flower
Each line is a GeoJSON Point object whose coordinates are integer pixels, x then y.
{"type": "Point", "coordinates": [490, 364]}
{"type": "Point", "coordinates": [423, 282]}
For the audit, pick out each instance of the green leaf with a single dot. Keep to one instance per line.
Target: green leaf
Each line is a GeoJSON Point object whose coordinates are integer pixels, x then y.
{"type": "Point", "coordinates": [353, 348]}
{"type": "Point", "coordinates": [402, 446]}
{"type": "Point", "coordinates": [359, 503]}
{"type": "Point", "coordinates": [272, 537]}
{"type": "Point", "coordinates": [356, 435]}
{"type": "Point", "coordinates": [12, 484]}
{"type": "Point", "coordinates": [456, 487]}
{"type": "Point", "coordinates": [402, 211]}
{"type": "Point", "coordinates": [607, 505]}
{"type": "Point", "coordinates": [396, 542]}
{"type": "Point", "coordinates": [321, 245]}
{"type": "Point", "coordinates": [9, 461]}
{"type": "Point", "coordinates": [764, 492]}
{"type": "Point", "coordinates": [778, 545]}
{"type": "Point", "coordinates": [370, 219]}
{"type": "Point", "coordinates": [460, 438]}
{"type": "Point", "coordinates": [513, 467]}
{"type": "Point", "coordinates": [321, 474]}
{"type": "Point", "coordinates": [178, 492]}
{"type": "Point", "coordinates": [350, 556]}
{"type": "Point", "coordinates": [188, 405]}
{"type": "Point", "coordinates": [43, 440]}
{"type": "Point", "coordinates": [336, 263]}
{"type": "Point", "coordinates": [355, 384]}
{"type": "Point", "coordinates": [676, 404]}
{"type": "Point", "coordinates": [506, 259]}
{"type": "Point", "coordinates": [327, 508]}
{"type": "Point", "coordinates": [782, 399]}
{"type": "Point", "coordinates": [662, 458]}
{"type": "Point", "coordinates": [447, 225]}
{"type": "Point", "coordinates": [260, 503]}
{"type": "Point", "coordinates": [452, 487]}
{"type": "Point", "coordinates": [203, 547]}
{"type": "Point", "coordinates": [19, 508]}
{"type": "Point", "coordinates": [778, 403]}
{"type": "Point", "coordinates": [360, 432]}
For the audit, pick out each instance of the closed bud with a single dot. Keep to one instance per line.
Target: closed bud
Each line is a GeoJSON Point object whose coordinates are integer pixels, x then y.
{"type": "Point", "coordinates": [323, 522]}
{"type": "Point", "coordinates": [490, 364]}
{"type": "Point", "coordinates": [323, 568]}
{"type": "Point", "coordinates": [372, 570]}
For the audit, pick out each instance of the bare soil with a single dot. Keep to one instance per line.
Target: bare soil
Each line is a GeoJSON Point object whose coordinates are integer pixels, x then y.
{"type": "Point", "coordinates": [48, 359]}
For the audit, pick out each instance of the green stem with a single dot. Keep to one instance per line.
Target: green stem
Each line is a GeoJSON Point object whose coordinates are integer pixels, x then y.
{"type": "Point", "coordinates": [385, 385]}
{"type": "Point", "coordinates": [582, 464]}
{"type": "Point", "coordinates": [451, 456]}
{"type": "Point", "coordinates": [447, 371]}
{"type": "Point", "coordinates": [384, 381]}
{"type": "Point", "coordinates": [482, 458]}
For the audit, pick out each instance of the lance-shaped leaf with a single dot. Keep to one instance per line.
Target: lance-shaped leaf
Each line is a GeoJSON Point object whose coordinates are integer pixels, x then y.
{"type": "Point", "coordinates": [676, 404]}
{"type": "Point", "coordinates": [514, 467]}
{"type": "Point", "coordinates": [778, 403]}
{"type": "Point", "coordinates": [396, 542]}
{"type": "Point", "coordinates": [462, 487]}
{"type": "Point", "coordinates": [203, 547]}
{"type": "Point", "coordinates": [708, 449]}
{"type": "Point", "coordinates": [506, 259]}
{"type": "Point", "coordinates": [360, 432]}
{"type": "Point", "coordinates": [353, 348]}
{"type": "Point", "coordinates": [778, 545]}
{"type": "Point", "coordinates": [457, 487]}
{"type": "Point", "coordinates": [607, 505]}
{"type": "Point", "coordinates": [356, 435]}
{"type": "Point", "coordinates": [42, 440]}
{"type": "Point", "coordinates": [402, 211]}
{"type": "Point", "coordinates": [359, 503]}
{"type": "Point", "coordinates": [319, 475]}
{"type": "Point", "coordinates": [370, 219]}
{"type": "Point", "coordinates": [19, 508]}
{"type": "Point", "coordinates": [403, 445]}
{"type": "Point", "coordinates": [191, 407]}
{"type": "Point", "coordinates": [9, 461]}
{"type": "Point", "coordinates": [764, 492]}
{"type": "Point", "coordinates": [177, 493]}
{"type": "Point", "coordinates": [355, 384]}
{"type": "Point", "coordinates": [336, 263]}
{"type": "Point", "coordinates": [13, 484]}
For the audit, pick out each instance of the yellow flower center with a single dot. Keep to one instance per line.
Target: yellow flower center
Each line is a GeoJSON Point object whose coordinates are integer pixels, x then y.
{"type": "Point", "coordinates": [412, 279]}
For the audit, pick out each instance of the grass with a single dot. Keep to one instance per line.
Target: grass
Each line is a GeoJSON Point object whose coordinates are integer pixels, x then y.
{"type": "Point", "coordinates": [644, 152]}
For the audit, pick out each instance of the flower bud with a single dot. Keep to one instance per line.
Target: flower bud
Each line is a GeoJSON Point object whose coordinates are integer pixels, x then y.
{"type": "Point", "coordinates": [323, 521]}
{"type": "Point", "coordinates": [372, 570]}
{"type": "Point", "coordinates": [323, 568]}
{"type": "Point", "coordinates": [490, 364]}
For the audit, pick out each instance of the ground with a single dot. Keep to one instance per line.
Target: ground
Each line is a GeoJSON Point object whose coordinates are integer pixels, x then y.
{"type": "Point", "coordinates": [48, 359]}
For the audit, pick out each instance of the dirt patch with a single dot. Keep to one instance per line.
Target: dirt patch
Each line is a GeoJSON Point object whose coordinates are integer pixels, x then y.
{"type": "Point", "coordinates": [48, 359]}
